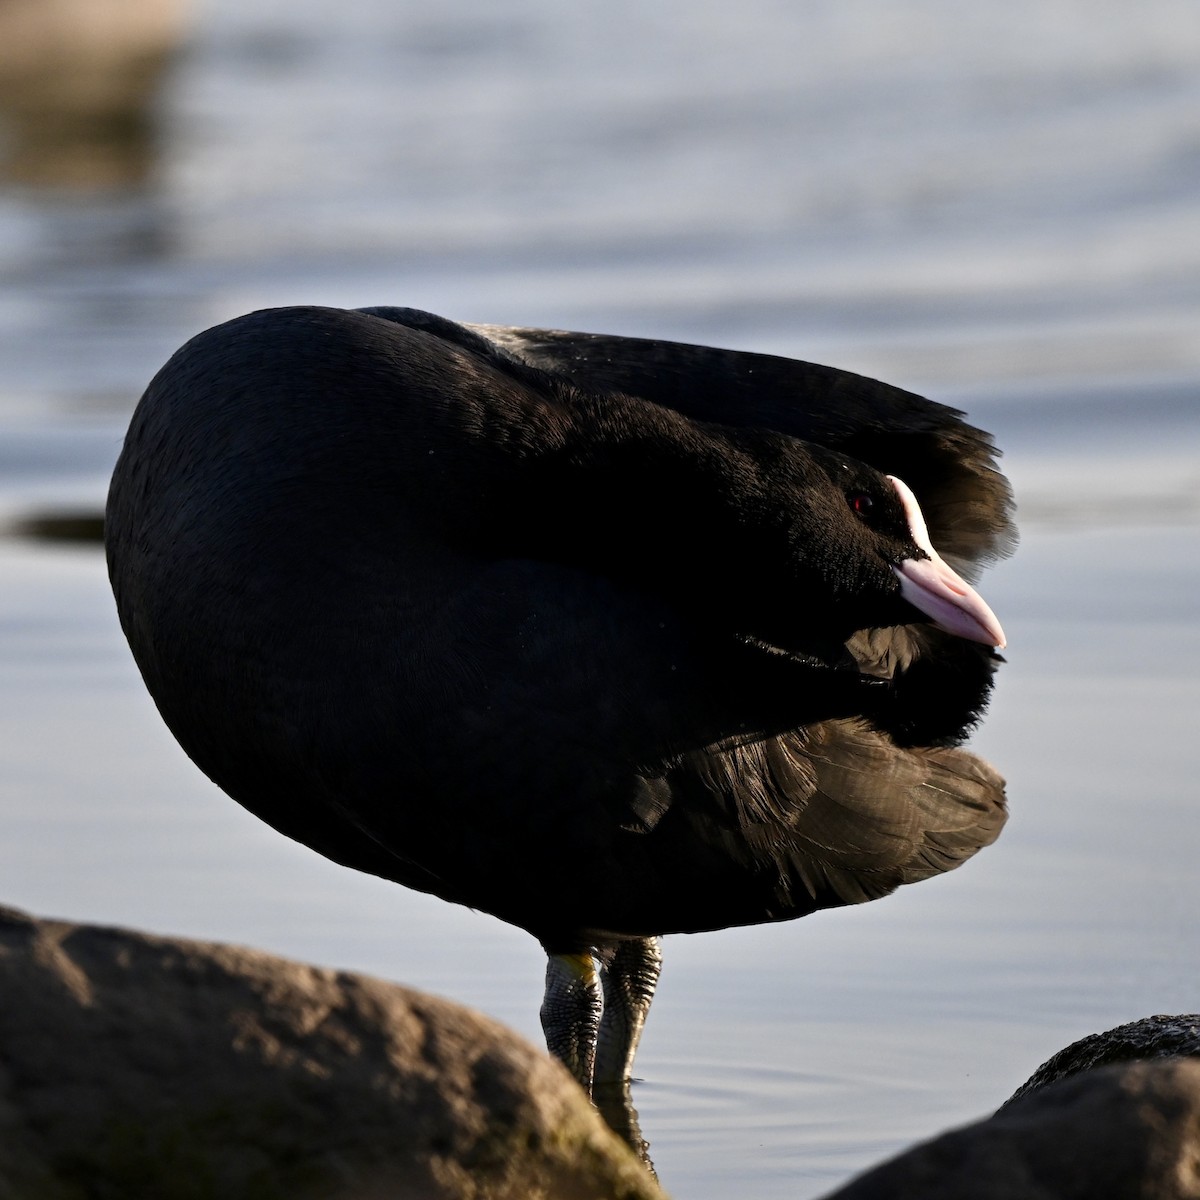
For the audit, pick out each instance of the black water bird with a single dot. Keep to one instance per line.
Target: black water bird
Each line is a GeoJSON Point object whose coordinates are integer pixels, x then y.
{"type": "Point", "coordinates": [609, 637]}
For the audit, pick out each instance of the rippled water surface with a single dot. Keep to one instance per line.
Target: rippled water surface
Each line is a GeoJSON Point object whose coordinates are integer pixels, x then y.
{"type": "Point", "coordinates": [999, 206]}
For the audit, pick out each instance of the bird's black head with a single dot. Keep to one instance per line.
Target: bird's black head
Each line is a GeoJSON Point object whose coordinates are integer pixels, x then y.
{"type": "Point", "coordinates": [860, 556]}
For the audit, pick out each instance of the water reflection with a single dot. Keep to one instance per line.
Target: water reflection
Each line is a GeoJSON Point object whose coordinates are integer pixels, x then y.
{"type": "Point", "coordinates": [78, 83]}
{"type": "Point", "coordinates": [615, 1104]}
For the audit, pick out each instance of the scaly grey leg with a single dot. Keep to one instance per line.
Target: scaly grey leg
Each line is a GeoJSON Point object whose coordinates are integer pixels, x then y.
{"type": "Point", "coordinates": [571, 1013]}
{"type": "Point", "coordinates": [629, 971]}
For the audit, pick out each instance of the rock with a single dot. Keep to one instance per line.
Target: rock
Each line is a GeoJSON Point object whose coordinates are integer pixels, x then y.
{"type": "Point", "coordinates": [79, 80]}
{"type": "Point", "coordinates": [76, 35]}
{"type": "Point", "coordinates": [135, 1067]}
{"type": "Point", "coordinates": [1152, 1037]}
{"type": "Point", "coordinates": [1119, 1132]}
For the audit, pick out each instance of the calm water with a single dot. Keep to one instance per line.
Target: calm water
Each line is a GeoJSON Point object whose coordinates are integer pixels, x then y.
{"type": "Point", "coordinates": [1000, 207]}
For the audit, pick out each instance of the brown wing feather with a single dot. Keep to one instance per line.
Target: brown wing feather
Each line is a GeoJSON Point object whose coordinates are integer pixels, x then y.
{"type": "Point", "coordinates": [840, 809]}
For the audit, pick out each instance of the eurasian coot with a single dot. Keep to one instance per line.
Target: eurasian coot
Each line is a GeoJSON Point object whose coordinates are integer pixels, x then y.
{"type": "Point", "coordinates": [609, 637]}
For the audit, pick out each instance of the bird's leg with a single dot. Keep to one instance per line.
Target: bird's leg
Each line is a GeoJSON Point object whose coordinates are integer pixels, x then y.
{"type": "Point", "coordinates": [630, 973]}
{"type": "Point", "coordinates": [571, 1013]}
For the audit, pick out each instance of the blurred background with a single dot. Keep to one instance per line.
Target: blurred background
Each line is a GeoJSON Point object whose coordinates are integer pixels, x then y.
{"type": "Point", "coordinates": [997, 205]}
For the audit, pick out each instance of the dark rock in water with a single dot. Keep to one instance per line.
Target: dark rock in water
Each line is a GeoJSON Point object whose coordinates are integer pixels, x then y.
{"type": "Point", "coordinates": [135, 1067]}
{"type": "Point", "coordinates": [1122, 1131]}
{"type": "Point", "coordinates": [64, 526]}
{"type": "Point", "coordinates": [1152, 1037]}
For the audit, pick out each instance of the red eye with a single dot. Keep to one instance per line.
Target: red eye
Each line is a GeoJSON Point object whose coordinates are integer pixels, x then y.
{"type": "Point", "coordinates": [861, 503]}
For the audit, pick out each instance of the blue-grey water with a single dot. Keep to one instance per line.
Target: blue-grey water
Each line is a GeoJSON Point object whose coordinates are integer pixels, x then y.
{"type": "Point", "coordinates": [998, 205]}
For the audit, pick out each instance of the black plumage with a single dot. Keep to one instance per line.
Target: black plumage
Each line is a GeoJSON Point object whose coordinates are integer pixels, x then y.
{"type": "Point", "coordinates": [608, 637]}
